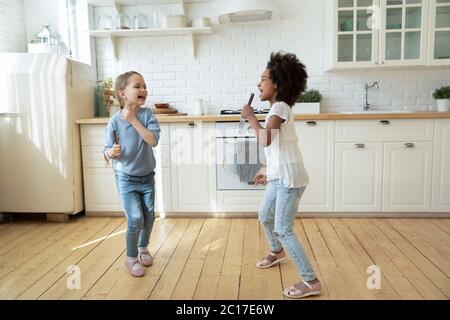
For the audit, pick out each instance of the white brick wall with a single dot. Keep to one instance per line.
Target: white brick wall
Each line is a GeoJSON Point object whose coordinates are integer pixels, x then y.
{"type": "Point", "coordinates": [12, 29]}
{"type": "Point", "coordinates": [230, 61]}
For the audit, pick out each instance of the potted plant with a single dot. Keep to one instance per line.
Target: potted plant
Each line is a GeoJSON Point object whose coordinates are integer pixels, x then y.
{"type": "Point", "coordinates": [108, 97]}
{"type": "Point", "coordinates": [309, 102]}
{"type": "Point", "coordinates": [442, 96]}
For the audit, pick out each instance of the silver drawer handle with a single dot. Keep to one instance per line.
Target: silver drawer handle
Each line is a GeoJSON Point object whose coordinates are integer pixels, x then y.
{"type": "Point", "coordinates": [191, 125]}
{"type": "Point", "coordinates": [385, 122]}
{"type": "Point", "coordinates": [409, 145]}
{"type": "Point", "coordinates": [360, 145]}
{"type": "Point", "coordinates": [311, 123]}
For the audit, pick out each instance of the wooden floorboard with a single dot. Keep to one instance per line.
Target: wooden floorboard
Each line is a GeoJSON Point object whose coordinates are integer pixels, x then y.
{"type": "Point", "coordinates": [214, 259]}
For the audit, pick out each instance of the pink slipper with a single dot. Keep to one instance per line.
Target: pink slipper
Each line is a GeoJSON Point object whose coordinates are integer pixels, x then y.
{"type": "Point", "coordinates": [302, 289]}
{"type": "Point", "coordinates": [271, 259]}
{"type": "Point", "coordinates": [135, 268]}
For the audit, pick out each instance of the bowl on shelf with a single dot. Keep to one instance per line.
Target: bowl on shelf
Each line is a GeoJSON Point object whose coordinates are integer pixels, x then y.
{"type": "Point", "coordinates": [161, 105]}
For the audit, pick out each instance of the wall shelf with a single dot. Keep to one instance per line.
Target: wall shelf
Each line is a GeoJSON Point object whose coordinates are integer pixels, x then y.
{"type": "Point", "coordinates": [128, 33]}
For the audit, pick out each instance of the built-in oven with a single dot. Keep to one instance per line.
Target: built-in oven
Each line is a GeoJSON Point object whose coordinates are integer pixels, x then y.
{"type": "Point", "coordinates": [228, 136]}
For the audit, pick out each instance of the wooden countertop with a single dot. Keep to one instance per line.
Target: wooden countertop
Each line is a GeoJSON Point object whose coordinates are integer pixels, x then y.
{"type": "Point", "coordinates": [320, 116]}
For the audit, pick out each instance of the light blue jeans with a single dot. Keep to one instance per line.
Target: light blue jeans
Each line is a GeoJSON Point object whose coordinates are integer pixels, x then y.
{"type": "Point", "coordinates": [277, 214]}
{"type": "Point", "coordinates": [138, 198]}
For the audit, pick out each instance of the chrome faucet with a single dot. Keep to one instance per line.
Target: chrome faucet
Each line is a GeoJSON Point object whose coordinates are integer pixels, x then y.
{"type": "Point", "coordinates": [366, 104]}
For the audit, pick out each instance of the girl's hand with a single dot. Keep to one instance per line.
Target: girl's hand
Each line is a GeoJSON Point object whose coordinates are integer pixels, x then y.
{"type": "Point", "coordinates": [115, 151]}
{"type": "Point", "coordinates": [247, 112]}
{"type": "Point", "coordinates": [260, 177]}
{"type": "Point", "coordinates": [128, 115]}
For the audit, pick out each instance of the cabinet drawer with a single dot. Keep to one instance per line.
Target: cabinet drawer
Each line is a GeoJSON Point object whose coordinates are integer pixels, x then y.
{"type": "Point", "coordinates": [384, 130]}
{"type": "Point", "coordinates": [93, 156]}
{"type": "Point", "coordinates": [94, 135]}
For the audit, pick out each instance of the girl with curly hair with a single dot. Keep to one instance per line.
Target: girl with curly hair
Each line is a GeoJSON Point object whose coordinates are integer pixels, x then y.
{"type": "Point", "coordinates": [282, 82]}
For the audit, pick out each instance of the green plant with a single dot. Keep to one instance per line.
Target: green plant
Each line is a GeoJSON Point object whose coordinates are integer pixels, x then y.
{"type": "Point", "coordinates": [106, 91]}
{"type": "Point", "coordinates": [442, 93]}
{"type": "Point", "coordinates": [311, 96]}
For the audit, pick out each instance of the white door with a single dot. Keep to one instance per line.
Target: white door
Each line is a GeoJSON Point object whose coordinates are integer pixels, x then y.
{"type": "Point", "coordinates": [100, 191]}
{"type": "Point", "coordinates": [316, 141]}
{"type": "Point", "coordinates": [439, 33]}
{"type": "Point", "coordinates": [193, 164]}
{"type": "Point", "coordinates": [163, 199]}
{"type": "Point", "coordinates": [407, 176]}
{"type": "Point", "coordinates": [441, 167]}
{"type": "Point", "coordinates": [354, 38]}
{"type": "Point", "coordinates": [403, 32]}
{"type": "Point", "coordinates": [358, 177]}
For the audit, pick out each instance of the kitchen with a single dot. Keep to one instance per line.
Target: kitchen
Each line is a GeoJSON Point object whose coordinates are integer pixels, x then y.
{"type": "Point", "coordinates": [375, 149]}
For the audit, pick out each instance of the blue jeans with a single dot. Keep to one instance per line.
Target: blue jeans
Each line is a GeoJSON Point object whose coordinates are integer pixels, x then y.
{"type": "Point", "coordinates": [277, 214]}
{"type": "Point", "coordinates": [138, 198]}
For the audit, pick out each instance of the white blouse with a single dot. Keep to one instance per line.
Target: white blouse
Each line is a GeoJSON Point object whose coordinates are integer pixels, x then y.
{"type": "Point", "coordinates": [284, 159]}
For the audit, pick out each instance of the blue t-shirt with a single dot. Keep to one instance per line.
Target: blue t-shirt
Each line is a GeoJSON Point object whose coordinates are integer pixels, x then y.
{"type": "Point", "coordinates": [136, 157]}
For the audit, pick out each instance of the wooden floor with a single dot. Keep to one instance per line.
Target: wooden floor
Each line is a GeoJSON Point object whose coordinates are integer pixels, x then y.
{"type": "Point", "coordinates": [215, 259]}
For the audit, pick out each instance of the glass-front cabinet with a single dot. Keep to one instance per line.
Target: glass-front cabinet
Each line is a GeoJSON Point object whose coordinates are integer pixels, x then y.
{"type": "Point", "coordinates": [388, 33]}
{"type": "Point", "coordinates": [403, 32]}
{"type": "Point", "coordinates": [356, 39]}
{"type": "Point", "coordinates": [439, 35]}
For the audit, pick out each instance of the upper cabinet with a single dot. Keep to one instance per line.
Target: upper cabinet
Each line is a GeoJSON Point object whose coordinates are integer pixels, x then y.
{"type": "Point", "coordinates": [388, 33]}
{"type": "Point", "coordinates": [439, 33]}
{"type": "Point", "coordinates": [403, 32]}
{"type": "Point", "coordinates": [354, 41]}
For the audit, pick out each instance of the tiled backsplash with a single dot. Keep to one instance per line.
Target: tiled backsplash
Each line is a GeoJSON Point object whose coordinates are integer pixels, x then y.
{"type": "Point", "coordinates": [229, 63]}
{"type": "Point", "coordinates": [12, 29]}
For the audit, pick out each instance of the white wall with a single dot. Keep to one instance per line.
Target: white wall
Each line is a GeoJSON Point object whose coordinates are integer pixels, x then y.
{"type": "Point", "coordinates": [37, 13]}
{"type": "Point", "coordinates": [12, 30]}
{"type": "Point", "coordinates": [230, 61]}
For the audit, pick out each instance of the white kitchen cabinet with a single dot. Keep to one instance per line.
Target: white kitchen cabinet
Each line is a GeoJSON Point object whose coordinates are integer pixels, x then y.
{"type": "Point", "coordinates": [441, 167]}
{"type": "Point", "coordinates": [354, 42]}
{"type": "Point", "coordinates": [100, 190]}
{"type": "Point", "coordinates": [193, 167]}
{"type": "Point", "coordinates": [402, 156]}
{"type": "Point", "coordinates": [439, 33]}
{"type": "Point", "coordinates": [358, 177]}
{"type": "Point", "coordinates": [407, 176]}
{"type": "Point", "coordinates": [403, 33]}
{"type": "Point", "coordinates": [387, 33]}
{"type": "Point", "coordinates": [316, 142]}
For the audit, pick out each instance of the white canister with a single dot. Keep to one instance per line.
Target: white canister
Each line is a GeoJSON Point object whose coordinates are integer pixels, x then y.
{"type": "Point", "coordinates": [198, 108]}
{"type": "Point", "coordinates": [443, 105]}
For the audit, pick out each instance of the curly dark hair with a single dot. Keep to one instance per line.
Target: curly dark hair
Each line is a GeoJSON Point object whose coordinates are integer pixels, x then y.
{"type": "Point", "coordinates": [289, 74]}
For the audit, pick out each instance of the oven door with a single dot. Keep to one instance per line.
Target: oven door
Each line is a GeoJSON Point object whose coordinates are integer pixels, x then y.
{"type": "Point", "coordinates": [226, 169]}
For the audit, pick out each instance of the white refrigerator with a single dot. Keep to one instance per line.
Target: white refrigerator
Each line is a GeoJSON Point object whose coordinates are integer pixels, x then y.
{"type": "Point", "coordinates": [40, 155]}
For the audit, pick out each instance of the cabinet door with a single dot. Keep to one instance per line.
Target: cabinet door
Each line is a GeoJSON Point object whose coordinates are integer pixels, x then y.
{"type": "Point", "coordinates": [100, 191]}
{"type": "Point", "coordinates": [441, 168]}
{"type": "Point", "coordinates": [316, 141]}
{"type": "Point", "coordinates": [407, 176]}
{"type": "Point", "coordinates": [355, 40]}
{"type": "Point", "coordinates": [439, 33]}
{"type": "Point", "coordinates": [403, 34]}
{"type": "Point", "coordinates": [193, 167]}
{"type": "Point", "coordinates": [358, 177]}
{"type": "Point", "coordinates": [163, 191]}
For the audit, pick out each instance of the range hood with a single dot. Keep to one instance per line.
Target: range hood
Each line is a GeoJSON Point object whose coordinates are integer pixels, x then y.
{"type": "Point", "coordinates": [247, 11]}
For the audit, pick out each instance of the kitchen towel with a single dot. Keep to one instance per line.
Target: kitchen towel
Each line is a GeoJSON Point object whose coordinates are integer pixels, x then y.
{"type": "Point", "coordinates": [247, 158]}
